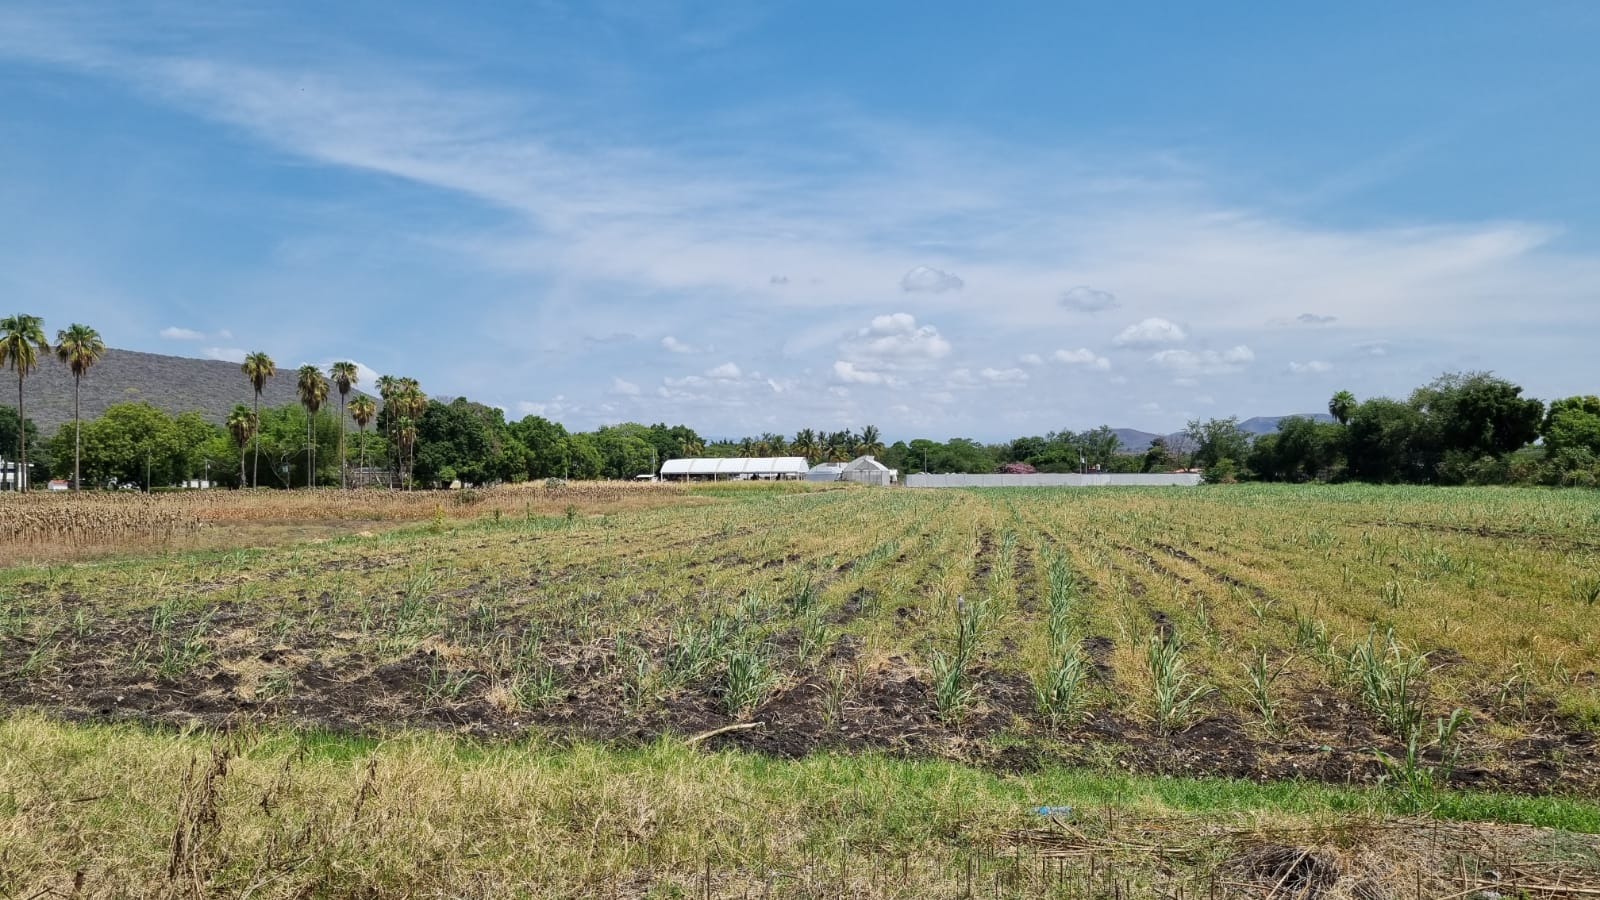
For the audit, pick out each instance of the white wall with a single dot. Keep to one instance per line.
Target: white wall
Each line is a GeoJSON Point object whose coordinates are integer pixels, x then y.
{"type": "Point", "coordinates": [1048, 480]}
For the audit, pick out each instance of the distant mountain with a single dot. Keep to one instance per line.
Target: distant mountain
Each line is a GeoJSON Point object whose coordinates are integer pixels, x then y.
{"type": "Point", "coordinates": [1269, 424]}
{"type": "Point", "coordinates": [173, 384]}
{"type": "Point", "coordinates": [1135, 441]}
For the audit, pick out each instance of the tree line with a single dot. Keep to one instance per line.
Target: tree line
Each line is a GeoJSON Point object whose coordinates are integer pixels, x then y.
{"type": "Point", "coordinates": [1460, 428]}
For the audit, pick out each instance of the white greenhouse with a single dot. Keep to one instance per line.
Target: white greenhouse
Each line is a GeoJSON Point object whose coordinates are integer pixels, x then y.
{"type": "Point", "coordinates": [766, 468]}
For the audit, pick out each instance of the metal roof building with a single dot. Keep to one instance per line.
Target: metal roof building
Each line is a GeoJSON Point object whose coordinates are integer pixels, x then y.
{"type": "Point", "coordinates": [767, 467]}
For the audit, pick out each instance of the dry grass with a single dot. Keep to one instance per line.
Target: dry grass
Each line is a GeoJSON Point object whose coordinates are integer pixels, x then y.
{"type": "Point", "coordinates": [114, 812]}
{"type": "Point", "coordinates": [58, 527]}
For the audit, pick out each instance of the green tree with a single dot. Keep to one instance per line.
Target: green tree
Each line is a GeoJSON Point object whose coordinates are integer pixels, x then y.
{"type": "Point", "coordinates": [584, 459]}
{"type": "Point", "coordinates": [344, 377]}
{"type": "Point", "coordinates": [1157, 458]}
{"type": "Point", "coordinates": [130, 443]}
{"type": "Point", "coordinates": [1341, 406]}
{"type": "Point", "coordinates": [545, 447]}
{"type": "Point", "coordinates": [258, 367]}
{"type": "Point", "coordinates": [363, 409]}
{"type": "Point", "coordinates": [1220, 446]}
{"type": "Point", "coordinates": [871, 442]}
{"type": "Point", "coordinates": [241, 425]}
{"type": "Point", "coordinates": [1382, 441]}
{"type": "Point", "coordinates": [313, 390]}
{"type": "Point", "coordinates": [80, 347]}
{"type": "Point", "coordinates": [1476, 413]}
{"type": "Point", "coordinates": [1572, 423]}
{"type": "Point", "coordinates": [13, 429]}
{"type": "Point", "coordinates": [22, 342]}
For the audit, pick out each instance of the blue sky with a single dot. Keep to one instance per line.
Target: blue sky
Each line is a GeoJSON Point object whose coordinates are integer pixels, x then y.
{"type": "Point", "coordinates": [943, 219]}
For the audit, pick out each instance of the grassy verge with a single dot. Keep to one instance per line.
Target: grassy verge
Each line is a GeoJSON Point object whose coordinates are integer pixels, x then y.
{"type": "Point", "coordinates": [125, 810]}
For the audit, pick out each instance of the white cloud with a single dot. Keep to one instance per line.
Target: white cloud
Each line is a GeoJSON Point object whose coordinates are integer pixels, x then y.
{"type": "Point", "coordinates": [1086, 299]}
{"type": "Point", "coordinates": [1315, 366]}
{"type": "Point", "coordinates": [174, 333]}
{"type": "Point", "coordinates": [897, 339]}
{"type": "Point", "coordinates": [725, 372]}
{"type": "Point", "coordinates": [1315, 319]}
{"type": "Point", "coordinates": [1185, 364]}
{"type": "Point", "coordinates": [1003, 376]}
{"type": "Point", "coordinates": [1084, 357]}
{"type": "Point", "coordinates": [846, 371]}
{"type": "Point", "coordinates": [624, 388]}
{"type": "Point", "coordinates": [676, 346]}
{"type": "Point", "coordinates": [1031, 359]}
{"type": "Point", "coordinates": [1151, 332]}
{"type": "Point", "coordinates": [930, 280]}
{"type": "Point", "coordinates": [551, 409]}
{"type": "Point", "coordinates": [227, 354]}
{"type": "Point", "coordinates": [1373, 348]}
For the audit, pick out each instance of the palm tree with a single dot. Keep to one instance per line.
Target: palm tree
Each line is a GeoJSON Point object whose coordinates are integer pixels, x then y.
{"type": "Point", "coordinates": [258, 367]}
{"type": "Point", "coordinates": [344, 378]}
{"type": "Point", "coordinates": [80, 347]}
{"type": "Point", "coordinates": [242, 425]}
{"type": "Point", "coordinates": [388, 387]}
{"type": "Point", "coordinates": [805, 444]}
{"type": "Point", "coordinates": [313, 390]}
{"type": "Point", "coordinates": [409, 403]}
{"type": "Point", "coordinates": [21, 341]}
{"type": "Point", "coordinates": [1341, 406]}
{"type": "Point", "coordinates": [363, 409]}
{"type": "Point", "coordinates": [871, 443]}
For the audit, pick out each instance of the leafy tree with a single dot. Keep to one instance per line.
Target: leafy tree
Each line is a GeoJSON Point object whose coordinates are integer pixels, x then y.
{"type": "Point", "coordinates": [344, 377]}
{"type": "Point", "coordinates": [1381, 441]}
{"type": "Point", "coordinates": [130, 443]}
{"type": "Point", "coordinates": [1572, 423]}
{"type": "Point", "coordinates": [805, 444]}
{"type": "Point", "coordinates": [1157, 458]}
{"type": "Point", "coordinates": [623, 451]}
{"type": "Point", "coordinates": [545, 447]}
{"type": "Point", "coordinates": [258, 367]}
{"type": "Point", "coordinates": [584, 459]}
{"type": "Point", "coordinates": [11, 434]}
{"type": "Point", "coordinates": [467, 441]}
{"type": "Point", "coordinates": [22, 341]}
{"type": "Point", "coordinates": [1475, 414]}
{"type": "Point", "coordinates": [80, 347]}
{"type": "Point", "coordinates": [1301, 450]}
{"type": "Point", "coordinates": [1219, 444]}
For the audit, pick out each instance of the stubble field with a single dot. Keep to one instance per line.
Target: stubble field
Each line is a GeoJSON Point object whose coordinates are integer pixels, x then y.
{"type": "Point", "coordinates": [744, 688]}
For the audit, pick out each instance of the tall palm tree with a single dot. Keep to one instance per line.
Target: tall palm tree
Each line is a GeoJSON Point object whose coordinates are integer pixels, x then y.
{"type": "Point", "coordinates": [805, 444]}
{"type": "Point", "coordinates": [313, 390]}
{"type": "Point", "coordinates": [242, 425]}
{"type": "Point", "coordinates": [80, 347]}
{"type": "Point", "coordinates": [258, 367]}
{"type": "Point", "coordinates": [344, 378]}
{"type": "Point", "coordinates": [1341, 406]}
{"type": "Point", "coordinates": [388, 387]}
{"type": "Point", "coordinates": [363, 409]}
{"type": "Point", "coordinates": [21, 342]}
{"type": "Point", "coordinates": [871, 443]}
{"type": "Point", "coordinates": [412, 402]}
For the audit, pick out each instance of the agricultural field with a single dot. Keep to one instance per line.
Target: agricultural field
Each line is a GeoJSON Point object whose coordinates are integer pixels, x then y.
{"type": "Point", "coordinates": [746, 690]}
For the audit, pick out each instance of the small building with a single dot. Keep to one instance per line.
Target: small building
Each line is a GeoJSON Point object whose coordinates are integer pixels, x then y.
{"type": "Point", "coordinates": [866, 470]}
{"type": "Point", "coordinates": [738, 468]}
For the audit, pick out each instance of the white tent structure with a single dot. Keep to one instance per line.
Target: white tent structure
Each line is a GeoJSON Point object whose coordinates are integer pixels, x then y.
{"type": "Point", "coordinates": [866, 470]}
{"type": "Point", "coordinates": [736, 468]}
